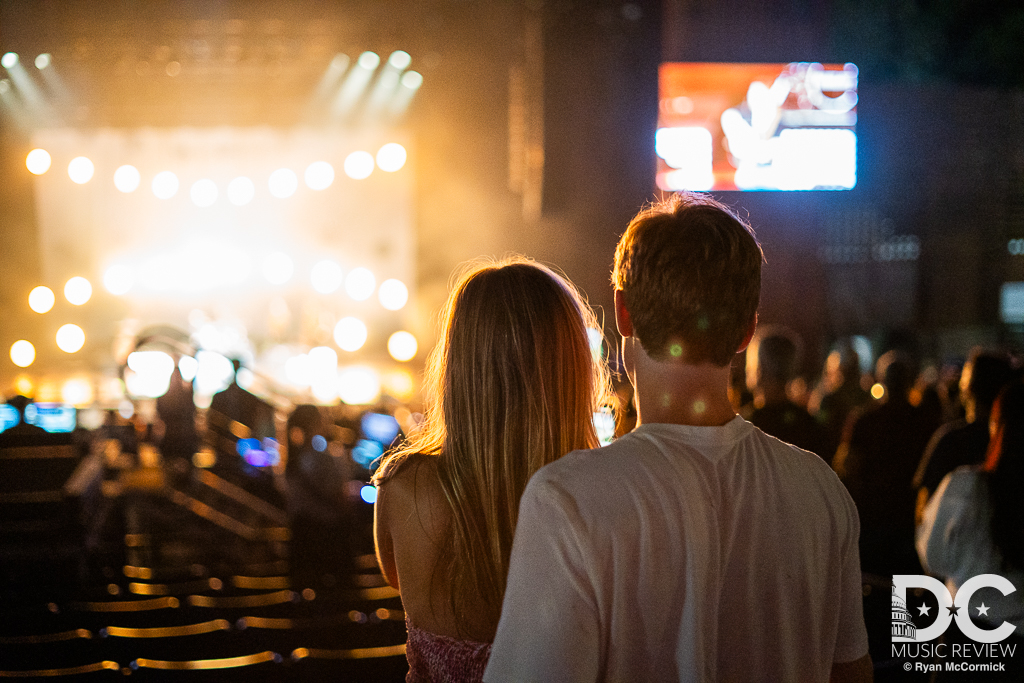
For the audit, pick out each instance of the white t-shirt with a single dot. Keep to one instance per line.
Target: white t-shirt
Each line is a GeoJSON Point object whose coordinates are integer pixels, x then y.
{"type": "Point", "coordinates": [683, 553]}
{"type": "Point", "coordinates": [954, 540]}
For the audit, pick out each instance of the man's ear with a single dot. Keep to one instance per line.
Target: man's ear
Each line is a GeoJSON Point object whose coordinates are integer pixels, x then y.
{"type": "Point", "coordinates": [623, 323]}
{"type": "Point", "coordinates": [750, 334]}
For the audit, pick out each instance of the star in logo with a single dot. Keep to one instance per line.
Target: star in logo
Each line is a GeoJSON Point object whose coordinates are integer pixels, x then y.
{"type": "Point", "coordinates": [983, 610]}
{"type": "Point", "coordinates": [923, 609]}
{"type": "Point", "coordinates": [953, 611]}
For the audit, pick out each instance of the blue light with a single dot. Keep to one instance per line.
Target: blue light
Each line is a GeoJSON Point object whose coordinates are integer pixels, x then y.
{"type": "Point", "coordinates": [319, 443]}
{"type": "Point", "coordinates": [379, 427]}
{"type": "Point", "coordinates": [8, 416]}
{"type": "Point", "coordinates": [243, 446]}
{"type": "Point", "coordinates": [366, 451]}
{"type": "Point", "coordinates": [368, 493]}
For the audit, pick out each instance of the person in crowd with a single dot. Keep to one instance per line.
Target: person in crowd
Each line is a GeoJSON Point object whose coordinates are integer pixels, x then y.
{"type": "Point", "coordinates": [881, 448]}
{"type": "Point", "coordinates": [838, 395]}
{"type": "Point", "coordinates": [696, 548]}
{"type": "Point", "coordinates": [515, 387]}
{"type": "Point", "coordinates": [965, 441]}
{"type": "Point", "coordinates": [177, 412]}
{"type": "Point", "coordinates": [772, 360]}
{"type": "Point", "coordinates": [23, 431]}
{"type": "Point", "coordinates": [974, 524]}
{"type": "Point", "coordinates": [318, 508]}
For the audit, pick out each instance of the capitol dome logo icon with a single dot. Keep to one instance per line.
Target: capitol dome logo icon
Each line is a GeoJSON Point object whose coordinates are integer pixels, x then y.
{"type": "Point", "coordinates": [903, 629]}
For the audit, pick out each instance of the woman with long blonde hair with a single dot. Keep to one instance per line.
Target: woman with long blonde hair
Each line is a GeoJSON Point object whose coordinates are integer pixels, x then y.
{"type": "Point", "coordinates": [514, 386]}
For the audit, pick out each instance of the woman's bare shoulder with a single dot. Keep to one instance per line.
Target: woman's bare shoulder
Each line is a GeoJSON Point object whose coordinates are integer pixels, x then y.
{"type": "Point", "coordinates": [413, 495]}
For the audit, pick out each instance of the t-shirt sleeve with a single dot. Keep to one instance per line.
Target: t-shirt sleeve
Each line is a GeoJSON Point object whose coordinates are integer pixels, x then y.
{"type": "Point", "coordinates": [852, 636]}
{"type": "Point", "coordinates": [549, 628]}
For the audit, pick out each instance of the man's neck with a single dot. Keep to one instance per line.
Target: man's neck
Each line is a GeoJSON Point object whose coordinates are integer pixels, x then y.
{"type": "Point", "coordinates": [672, 392]}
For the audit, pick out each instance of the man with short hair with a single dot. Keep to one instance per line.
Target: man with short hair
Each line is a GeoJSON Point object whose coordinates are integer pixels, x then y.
{"type": "Point", "coordinates": [695, 548]}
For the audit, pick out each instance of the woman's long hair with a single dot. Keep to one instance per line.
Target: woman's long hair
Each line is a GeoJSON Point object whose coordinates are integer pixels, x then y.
{"type": "Point", "coordinates": [515, 385]}
{"type": "Point", "coordinates": [1004, 467]}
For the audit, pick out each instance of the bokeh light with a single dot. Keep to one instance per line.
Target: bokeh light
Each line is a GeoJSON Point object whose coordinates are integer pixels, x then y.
{"type": "Point", "coordinates": [297, 370]}
{"type": "Point", "coordinates": [43, 60]}
{"type": "Point", "coordinates": [319, 175]}
{"type": "Point", "coordinates": [359, 165]}
{"type": "Point", "coordinates": [326, 277]}
{"type": "Point", "coordinates": [9, 60]}
{"type": "Point", "coordinates": [877, 391]}
{"type": "Point", "coordinates": [150, 373]}
{"type": "Point", "coordinates": [78, 290]}
{"type": "Point", "coordinates": [350, 334]}
{"type": "Point", "coordinates": [80, 170]}
{"type": "Point", "coordinates": [24, 385]}
{"type": "Point", "coordinates": [400, 59]}
{"type": "Point", "coordinates": [70, 338]}
{"type": "Point", "coordinates": [213, 372]}
{"type": "Point", "coordinates": [127, 178]}
{"type": "Point", "coordinates": [278, 268]}
{"type": "Point", "coordinates": [360, 284]}
{"type": "Point", "coordinates": [118, 279]}
{"type": "Point", "coordinates": [323, 369]}
{"type": "Point", "coordinates": [402, 346]}
{"type": "Point", "coordinates": [165, 185]}
{"type": "Point", "coordinates": [412, 80]}
{"type": "Point", "coordinates": [241, 190]}
{"type": "Point", "coordinates": [283, 183]}
{"type": "Point", "coordinates": [41, 299]}
{"type": "Point", "coordinates": [38, 161]}
{"type": "Point", "coordinates": [204, 193]}
{"type": "Point", "coordinates": [77, 392]}
{"type": "Point", "coordinates": [393, 294]}
{"type": "Point", "coordinates": [391, 157]}
{"type": "Point", "coordinates": [369, 60]}
{"type": "Point", "coordinates": [23, 353]}
{"type": "Point", "coordinates": [359, 385]}
{"type": "Point", "coordinates": [188, 366]}
{"type": "Point", "coordinates": [368, 493]}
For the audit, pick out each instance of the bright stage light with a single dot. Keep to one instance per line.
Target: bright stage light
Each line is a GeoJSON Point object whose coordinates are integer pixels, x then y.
{"type": "Point", "coordinates": [41, 299]}
{"type": "Point", "coordinates": [188, 366]}
{"type": "Point", "coordinates": [23, 353]}
{"type": "Point", "coordinates": [24, 385]}
{"type": "Point", "coordinates": [360, 284]}
{"type": "Point", "coordinates": [70, 338]}
{"type": "Point", "coordinates": [350, 334]}
{"type": "Point", "coordinates": [38, 161]}
{"type": "Point", "coordinates": [241, 190]}
{"type": "Point", "coordinates": [359, 386]}
{"type": "Point", "coordinates": [165, 185]}
{"type": "Point", "coordinates": [319, 175]}
{"type": "Point", "coordinates": [326, 277]}
{"type": "Point", "coordinates": [80, 170]}
{"type": "Point", "coordinates": [118, 279]}
{"type": "Point", "coordinates": [283, 183]}
{"type": "Point", "coordinates": [369, 60]}
{"type": "Point", "coordinates": [151, 373]}
{"type": "Point", "coordinates": [77, 392]}
{"type": "Point", "coordinates": [400, 59]}
{"type": "Point", "coordinates": [9, 60]}
{"type": "Point", "coordinates": [203, 192]}
{"type": "Point", "coordinates": [391, 157]}
{"type": "Point", "coordinates": [43, 61]}
{"type": "Point", "coordinates": [412, 80]}
{"type": "Point", "coordinates": [78, 290]}
{"type": "Point", "coordinates": [213, 372]}
{"type": "Point", "coordinates": [359, 165]}
{"type": "Point", "coordinates": [402, 346]}
{"type": "Point", "coordinates": [393, 294]}
{"type": "Point", "coordinates": [278, 268]}
{"type": "Point", "coordinates": [297, 370]}
{"type": "Point", "coordinates": [127, 178]}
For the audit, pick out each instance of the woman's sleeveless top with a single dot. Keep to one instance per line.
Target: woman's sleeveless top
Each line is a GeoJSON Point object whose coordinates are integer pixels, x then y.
{"type": "Point", "coordinates": [434, 658]}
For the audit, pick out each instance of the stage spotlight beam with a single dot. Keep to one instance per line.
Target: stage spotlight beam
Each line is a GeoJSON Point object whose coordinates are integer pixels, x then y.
{"type": "Point", "coordinates": [355, 83]}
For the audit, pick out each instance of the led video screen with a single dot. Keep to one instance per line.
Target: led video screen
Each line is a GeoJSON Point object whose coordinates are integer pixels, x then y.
{"type": "Point", "coordinates": [757, 126]}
